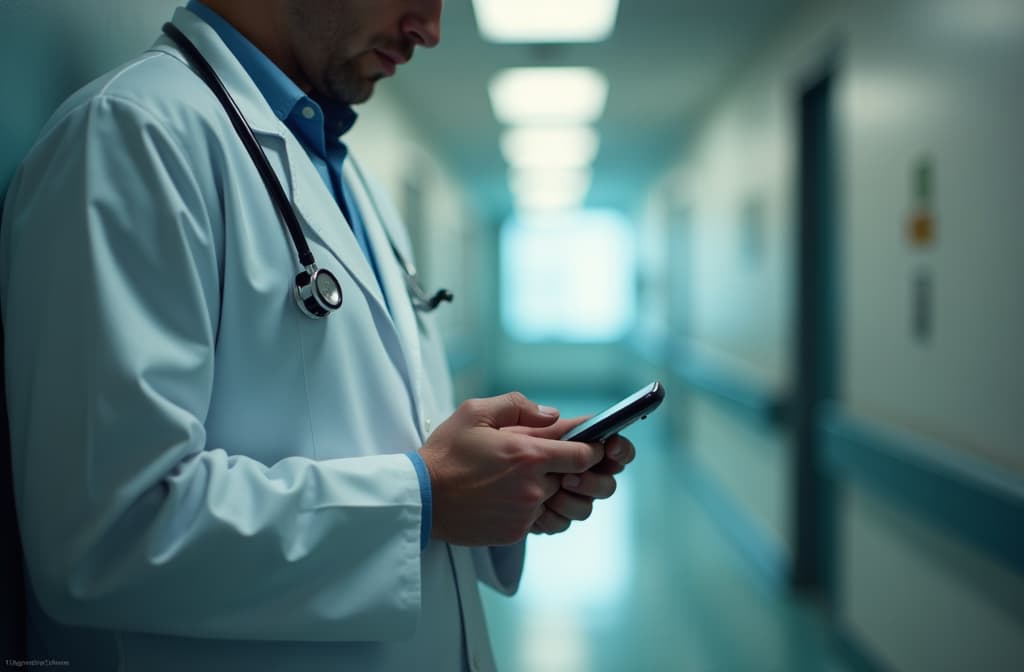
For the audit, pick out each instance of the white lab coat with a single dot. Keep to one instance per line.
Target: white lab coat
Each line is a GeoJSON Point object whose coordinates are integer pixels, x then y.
{"type": "Point", "coordinates": [205, 477]}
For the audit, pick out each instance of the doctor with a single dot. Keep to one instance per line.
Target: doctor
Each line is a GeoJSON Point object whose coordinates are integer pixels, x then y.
{"type": "Point", "coordinates": [208, 478]}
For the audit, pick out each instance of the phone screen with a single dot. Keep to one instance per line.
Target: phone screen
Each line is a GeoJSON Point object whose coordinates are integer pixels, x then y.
{"type": "Point", "coordinates": [613, 420]}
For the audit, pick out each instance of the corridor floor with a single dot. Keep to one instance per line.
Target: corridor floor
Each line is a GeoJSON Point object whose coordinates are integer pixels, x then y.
{"type": "Point", "coordinates": [649, 583]}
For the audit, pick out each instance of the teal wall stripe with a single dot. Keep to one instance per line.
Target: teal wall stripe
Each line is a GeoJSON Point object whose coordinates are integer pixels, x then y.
{"type": "Point", "coordinates": [742, 394]}
{"type": "Point", "coordinates": [968, 498]}
{"type": "Point", "coordinates": [767, 556]}
{"type": "Point", "coordinates": [748, 400]}
{"type": "Point", "coordinates": [759, 403]}
{"type": "Point", "coordinates": [856, 655]}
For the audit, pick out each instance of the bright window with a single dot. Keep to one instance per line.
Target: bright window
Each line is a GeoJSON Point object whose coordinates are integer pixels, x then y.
{"type": "Point", "coordinates": [567, 276]}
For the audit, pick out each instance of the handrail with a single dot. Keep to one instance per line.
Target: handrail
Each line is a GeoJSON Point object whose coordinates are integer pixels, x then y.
{"type": "Point", "coordinates": [742, 393]}
{"type": "Point", "coordinates": [962, 494]}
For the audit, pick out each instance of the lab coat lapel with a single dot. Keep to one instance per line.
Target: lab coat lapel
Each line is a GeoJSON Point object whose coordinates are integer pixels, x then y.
{"type": "Point", "coordinates": [312, 201]}
{"type": "Point", "coordinates": [392, 276]}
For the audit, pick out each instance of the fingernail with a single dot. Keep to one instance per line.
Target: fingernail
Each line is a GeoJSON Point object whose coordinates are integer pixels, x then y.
{"type": "Point", "coordinates": [547, 410]}
{"type": "Point", "coordinates": [571, 481]}
{"type": "Point", "coordinates": [615, 452]}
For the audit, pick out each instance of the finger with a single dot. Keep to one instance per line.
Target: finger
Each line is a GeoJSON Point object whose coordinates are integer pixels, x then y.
{"type": "Point", "coordinates": [550, 522]}
{"type": "Point", "coordinates": [551, 483]}
{"type": "Point", "coordinates": [608, 467]}
{"type": "Point", "coordinates": [570, 506]}
{"type": "Point", "coordinates": [508, 410]}
{"type": "Point", "coordinates": [590, 484]}
{"type": "Point", "coordinates": [620, 449]}
{"type": "Point", "coordinates": [554, 431]}
{"type": "Point", "coordinates": [569, 457]}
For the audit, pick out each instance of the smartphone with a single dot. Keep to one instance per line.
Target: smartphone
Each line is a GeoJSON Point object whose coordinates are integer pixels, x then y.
{"type": "Point", "coordinates": [623, 414]}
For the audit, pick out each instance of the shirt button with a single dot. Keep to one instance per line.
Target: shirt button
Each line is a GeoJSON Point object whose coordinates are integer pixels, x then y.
{"type": "Point", "coordinates": [426, 425]}
{"type": "Point", "coordinates": [476, 662]}
{"type": "Point", "coordinates": [308, 112]}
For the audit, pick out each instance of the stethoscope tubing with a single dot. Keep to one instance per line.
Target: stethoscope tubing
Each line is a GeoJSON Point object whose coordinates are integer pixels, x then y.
{"type": "Point", "coordinates": [259, 157]}
{"type": "Point", "coordinates": [311, 298]}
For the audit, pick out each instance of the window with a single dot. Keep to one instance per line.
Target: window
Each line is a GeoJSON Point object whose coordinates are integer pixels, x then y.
{"type": "Point", "coordinates": [567, 276]}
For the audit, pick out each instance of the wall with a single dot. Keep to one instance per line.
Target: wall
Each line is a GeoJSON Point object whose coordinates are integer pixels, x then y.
{"type": "Point", "coordinates": [937, 80]}
{"type": "Point", "coordinates": [940, 80]}
{"type": "Point", "coordinates": [49, 48]}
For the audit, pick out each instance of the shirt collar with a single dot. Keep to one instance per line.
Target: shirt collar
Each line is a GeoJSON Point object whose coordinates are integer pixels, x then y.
{"type": "Point", "coordinates": [316, 125]}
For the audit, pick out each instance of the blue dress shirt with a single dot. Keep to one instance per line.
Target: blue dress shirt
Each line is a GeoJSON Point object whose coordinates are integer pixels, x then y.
{"type": "Point", "coordinates": [319, 128]}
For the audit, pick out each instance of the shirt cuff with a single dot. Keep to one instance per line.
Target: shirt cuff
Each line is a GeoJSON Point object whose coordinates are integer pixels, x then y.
{"type": "Point", "coordinates": [426, 516]}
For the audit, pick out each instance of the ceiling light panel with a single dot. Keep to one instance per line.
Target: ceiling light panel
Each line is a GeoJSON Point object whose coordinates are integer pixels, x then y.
{"type": "Point", "coordinates": [549, 147]}
{"type": "Point", "coordinates": [575, 182]}
{"type": "Point", "coordinates": [548, 189]}
{"type": "Point", "coordinates": [548, 95]}
{"type": "Point", "coordinates": [547, 201]}
{"type": "Point", "coordinates": [537, 21]}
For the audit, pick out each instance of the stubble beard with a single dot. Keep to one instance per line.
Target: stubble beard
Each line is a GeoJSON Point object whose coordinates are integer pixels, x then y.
{"type": "Point", "coordinates": [332, 70]}
{"type": "Point", "coordinates": [346, 84]}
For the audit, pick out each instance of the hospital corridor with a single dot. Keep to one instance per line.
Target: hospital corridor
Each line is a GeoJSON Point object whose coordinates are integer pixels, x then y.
{"type": "Point", "coordinates": [803, 218]}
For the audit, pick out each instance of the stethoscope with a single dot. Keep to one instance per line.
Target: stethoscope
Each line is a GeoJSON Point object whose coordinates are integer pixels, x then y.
{"type": "Point", "coordinates": [317, 291]}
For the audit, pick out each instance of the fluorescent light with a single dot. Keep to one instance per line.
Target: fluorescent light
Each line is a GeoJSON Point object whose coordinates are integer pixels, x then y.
{"type": "Point", "coordinates": [549, 147]}
{"type": "Point", "coordinates": [546, 201]}
{"type": "Point", "coordinates": [548, 189]}
{"type": "Point", "coordinates": [548, 95]}
{"type": "Point", "coordinates": [559, 180]}
{"type": "Point", "coordinates": [532, 21]}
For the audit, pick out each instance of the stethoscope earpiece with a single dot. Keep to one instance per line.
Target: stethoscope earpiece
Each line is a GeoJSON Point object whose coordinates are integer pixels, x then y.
{"type": "Point", "coordinates": [317, 292]}
{"type": "Point", "coordinates": [422, 303]}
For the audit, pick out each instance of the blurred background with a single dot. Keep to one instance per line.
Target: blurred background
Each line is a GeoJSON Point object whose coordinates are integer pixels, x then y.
{"type": "Point", "coordinates": [804, 217]}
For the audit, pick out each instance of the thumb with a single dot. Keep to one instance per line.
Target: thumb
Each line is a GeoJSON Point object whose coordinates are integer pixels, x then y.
{"type": "Point", "coordinates": [510, 410]}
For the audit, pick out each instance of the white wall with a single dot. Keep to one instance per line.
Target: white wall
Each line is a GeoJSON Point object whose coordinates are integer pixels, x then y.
{"type": "Point", "coordinates": [49, 48]}
{"type": "Point", "coordinates": [916, 78]}
{"type": "Point", "coordinates": [943, 79]}
{"type": "Point", "coordinates": [921, 600]}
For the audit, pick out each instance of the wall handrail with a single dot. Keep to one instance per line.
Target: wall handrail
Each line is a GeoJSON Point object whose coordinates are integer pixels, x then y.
{"type": "Point", "coordinates": [955, 491]}
{"type": "Point", "coordinates": [743, 393]}
{"type": "Point", "coordinates": [740, 392]}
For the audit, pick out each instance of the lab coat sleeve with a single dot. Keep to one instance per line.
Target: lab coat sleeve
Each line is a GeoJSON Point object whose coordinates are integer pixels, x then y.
{"type": "Point", "coordinates": [130, 520]}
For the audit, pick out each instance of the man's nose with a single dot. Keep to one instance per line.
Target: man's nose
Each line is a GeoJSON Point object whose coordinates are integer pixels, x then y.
{"type": "Point", "coordinates": [423, 28]}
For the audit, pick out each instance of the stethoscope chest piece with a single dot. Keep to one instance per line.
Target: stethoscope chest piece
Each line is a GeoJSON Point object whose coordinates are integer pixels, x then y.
{"type": "Point", "coordinates": [317, 292]}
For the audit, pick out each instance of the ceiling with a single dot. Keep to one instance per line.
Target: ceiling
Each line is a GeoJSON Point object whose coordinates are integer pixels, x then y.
{"type": "Point", "coordinates": [665, 63]}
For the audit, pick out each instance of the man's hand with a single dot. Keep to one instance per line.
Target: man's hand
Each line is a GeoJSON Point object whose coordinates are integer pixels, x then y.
{"type": "Point", "coordinates": [490, 486]}
{"type": "Point", "coordinates": [574, 501]}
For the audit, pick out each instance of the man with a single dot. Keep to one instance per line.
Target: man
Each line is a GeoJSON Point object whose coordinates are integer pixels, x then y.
{"type": "Point", "coordinates": [207, 478]}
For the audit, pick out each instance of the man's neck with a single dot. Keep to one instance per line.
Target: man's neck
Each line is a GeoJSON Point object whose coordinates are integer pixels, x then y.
{"type": "Point", "coordinates": [261, 22]}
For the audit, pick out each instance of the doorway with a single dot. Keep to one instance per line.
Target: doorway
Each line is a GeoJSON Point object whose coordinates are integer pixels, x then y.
{"type": "Point", "coordinates": [816, 354]}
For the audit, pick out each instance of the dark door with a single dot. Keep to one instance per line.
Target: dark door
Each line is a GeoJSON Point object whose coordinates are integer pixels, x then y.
{"type": "Point", "coordinates": [816, 355]}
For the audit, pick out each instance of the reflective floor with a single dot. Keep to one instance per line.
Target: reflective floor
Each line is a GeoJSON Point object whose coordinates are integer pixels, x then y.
{"type": "Point", "coordinates": [650, 583]}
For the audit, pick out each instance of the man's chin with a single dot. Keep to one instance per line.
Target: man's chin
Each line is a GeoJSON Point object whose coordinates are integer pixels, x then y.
{"type": "Point", "coordinates": [353, 95]}
{"type": "Point", "coordinates": [364, 92]}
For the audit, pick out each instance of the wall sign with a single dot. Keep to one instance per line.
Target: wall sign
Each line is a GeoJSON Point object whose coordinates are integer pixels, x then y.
{"type": "Point", "coordinates": [921, 223]}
